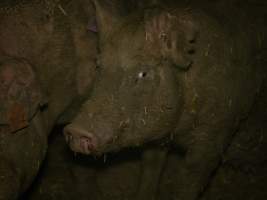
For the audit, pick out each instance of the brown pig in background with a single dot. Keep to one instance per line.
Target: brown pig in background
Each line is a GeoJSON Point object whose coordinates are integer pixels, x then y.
{"type": "Point", "coordinates": [46, 50]}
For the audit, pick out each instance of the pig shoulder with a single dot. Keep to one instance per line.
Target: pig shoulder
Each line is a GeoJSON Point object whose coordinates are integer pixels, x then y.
{"type": "Point", "coordinates": [217, 84]}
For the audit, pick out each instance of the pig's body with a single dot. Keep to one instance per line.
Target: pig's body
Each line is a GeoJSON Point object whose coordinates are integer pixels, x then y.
{"type": "Point", "coordinates": [45, 52]}
{"type": "Point", "coordinates": [175, 72]}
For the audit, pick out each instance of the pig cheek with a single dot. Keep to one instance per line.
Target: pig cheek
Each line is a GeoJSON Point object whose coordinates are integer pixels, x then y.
{"type": "Point", "coordinates": [161, 120]}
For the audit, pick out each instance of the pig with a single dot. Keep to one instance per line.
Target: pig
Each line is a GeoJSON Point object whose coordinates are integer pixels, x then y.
{"type": "Point", "coordinates": [174, 73]}
{"type": "Point", "coordinates": [47, 66]}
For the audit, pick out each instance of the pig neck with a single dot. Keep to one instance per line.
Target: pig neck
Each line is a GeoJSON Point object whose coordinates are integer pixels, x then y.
{"type": "Point", "coordinates": [56, 71]}
{"type": "Point", "coordinates": [58, 92]}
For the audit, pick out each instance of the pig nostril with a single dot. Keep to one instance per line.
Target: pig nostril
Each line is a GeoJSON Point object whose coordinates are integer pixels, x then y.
{"type": "Point", "coordinates": [87, 144]}
{"type": "Point", "coordinates": [89, 141]}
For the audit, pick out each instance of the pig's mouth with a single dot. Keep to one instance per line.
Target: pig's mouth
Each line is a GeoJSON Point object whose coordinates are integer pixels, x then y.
{"type": "Point", "coordinates": [79, 140]}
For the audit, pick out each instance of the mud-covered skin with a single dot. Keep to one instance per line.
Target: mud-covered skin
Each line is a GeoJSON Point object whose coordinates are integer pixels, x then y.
{"type": "Point", "coordinates": [41, 53]}
{"type": "Point", "coordinates": [126, 117]}
{"type": "Point", "coordinates": [178, 72]}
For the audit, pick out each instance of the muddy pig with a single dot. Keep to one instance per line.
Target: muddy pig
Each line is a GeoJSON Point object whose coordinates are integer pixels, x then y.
{"type": "Point", "coordinates": [171, 72]}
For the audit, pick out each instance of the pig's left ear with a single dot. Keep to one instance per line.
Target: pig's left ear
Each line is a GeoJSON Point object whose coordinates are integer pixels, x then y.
{"type": "Point", "coordinates": [107, 17]}
{"type": "Point", "coordinates": [174, 34]}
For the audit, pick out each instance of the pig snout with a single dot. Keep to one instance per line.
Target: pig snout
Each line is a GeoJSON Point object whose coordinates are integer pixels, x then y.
{"type": "Point", "coordinates": [80, 140]}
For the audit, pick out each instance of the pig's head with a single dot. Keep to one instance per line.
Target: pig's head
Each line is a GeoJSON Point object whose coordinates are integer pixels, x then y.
{"type": "Point", "coordinates": [137, 97]}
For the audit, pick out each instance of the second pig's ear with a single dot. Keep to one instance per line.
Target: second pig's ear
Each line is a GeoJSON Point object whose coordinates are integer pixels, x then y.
{"type": "Point", "coordinates": [107, 17]}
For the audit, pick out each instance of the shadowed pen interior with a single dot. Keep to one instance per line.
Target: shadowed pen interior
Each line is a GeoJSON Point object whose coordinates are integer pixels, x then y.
{"type": "Point", "coordinates": [124, 99]}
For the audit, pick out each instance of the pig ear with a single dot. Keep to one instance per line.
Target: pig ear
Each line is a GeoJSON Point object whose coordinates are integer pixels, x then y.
{"type": "Point", "coordinates": [107, 17]}
{"type": "Point", "coordinates": [176, 36]}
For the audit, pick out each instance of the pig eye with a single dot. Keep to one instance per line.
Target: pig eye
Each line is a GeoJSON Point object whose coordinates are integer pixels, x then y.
{"type": "Point", "coordinates": [97, 67]}
{"type": "Point", "coordinates": [142, 75]}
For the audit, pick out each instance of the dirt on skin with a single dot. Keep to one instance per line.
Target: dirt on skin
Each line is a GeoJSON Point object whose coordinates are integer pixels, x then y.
{"type": "Point", "coordinates": [241, 176]}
